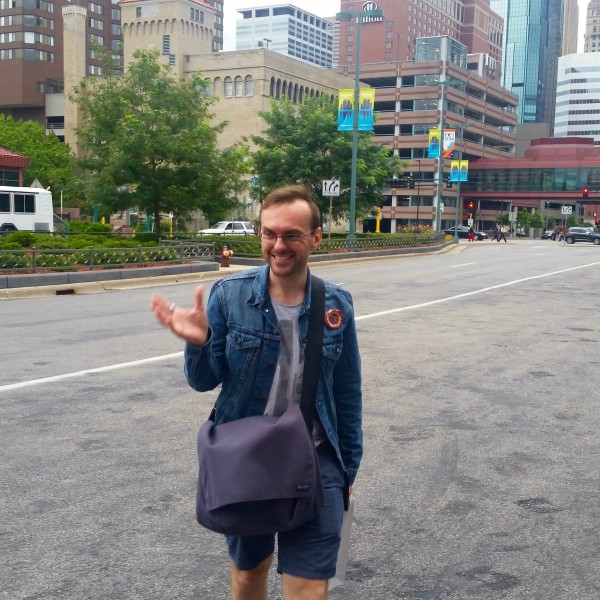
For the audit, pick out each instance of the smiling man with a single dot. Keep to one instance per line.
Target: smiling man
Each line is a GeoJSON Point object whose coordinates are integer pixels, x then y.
{"type": "Point", "coordinates": [265, 311]}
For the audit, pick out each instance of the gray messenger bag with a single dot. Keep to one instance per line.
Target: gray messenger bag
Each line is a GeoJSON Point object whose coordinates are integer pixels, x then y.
{"type": "Point", "coordinates": [260, 475]}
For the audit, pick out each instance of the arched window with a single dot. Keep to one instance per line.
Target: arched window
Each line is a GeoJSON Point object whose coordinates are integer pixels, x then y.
{"type": "Point", "coordinates": [272, 90]}
{"type": "Point", "coordinates": [249, 85]}
{"type": "Point", "coordinates": [239, 86]}
{"type": "Point", "coordinates": [278, 89]}
{"type": "Point", "coordinates": [228, 87]}
{"type": "Point", "coordinates": [217, 85]}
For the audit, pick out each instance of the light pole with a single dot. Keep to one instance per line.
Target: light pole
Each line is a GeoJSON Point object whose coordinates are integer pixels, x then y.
{"type": "Point", "coordinates": [359, 16]}
{"type": "Point", "coordinates": [461, 127]}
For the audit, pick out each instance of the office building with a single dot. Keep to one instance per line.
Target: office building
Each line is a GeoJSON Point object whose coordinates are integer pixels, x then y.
{"type": "Point", "coordinates": [393, 37]}
{"type": "Point", "coordinates": [218, 34]}
{"type": "Point", "coordinates": [31, 53]}
{"type": "Point", "coordinates": [592, 27]}
{"type": "Point", "coordinates": [537, 32]}
{"type": "Point", "coordinates": [550, 176]}
{"type": "Point", "coordinates": [578, 96]}
{"type": "Point", "coordinates": [409, 97]}
{"type": "Point", "coordinates": [288, 30]}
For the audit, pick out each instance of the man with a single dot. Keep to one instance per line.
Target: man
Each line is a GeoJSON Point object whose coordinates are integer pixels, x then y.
{"type": "Point", "coordinates": [250, 339]}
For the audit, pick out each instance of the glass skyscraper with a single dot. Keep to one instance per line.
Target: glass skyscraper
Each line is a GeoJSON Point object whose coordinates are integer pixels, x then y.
{"type": "Point", "coordinates": [536, 33]}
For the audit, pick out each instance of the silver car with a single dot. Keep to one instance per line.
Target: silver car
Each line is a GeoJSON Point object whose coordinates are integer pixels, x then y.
{"type": "Point", "coordinates": [229, 228]}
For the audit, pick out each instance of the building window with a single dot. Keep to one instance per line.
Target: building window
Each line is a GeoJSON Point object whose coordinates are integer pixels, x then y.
{"type": "Point", "coordinates": [172, 60]}
{"type": "Point", "coordinates": [138, 12]}
{"type": "Point", "coordinates": [228, 87]}
{"type": "Point", "coordinates": [249, 86]}
{"type": "Point", "coordinates": [166, 44]}
{"type": "Point", "coordinates": [96, 24]}
{"type": "Point", "coordinates": [239, 87]}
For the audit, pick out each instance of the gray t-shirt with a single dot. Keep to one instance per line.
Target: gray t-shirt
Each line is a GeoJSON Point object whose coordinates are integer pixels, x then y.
{"type": "Point", "coordinates": [287, 382]}
{"type": "Point", "coordinates": [286, 390]}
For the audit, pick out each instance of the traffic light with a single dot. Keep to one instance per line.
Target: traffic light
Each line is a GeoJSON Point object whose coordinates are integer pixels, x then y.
{"type": "Point", "coordinates": [471, 205]}
{"type": "Point", "coordinates": [585, 191]}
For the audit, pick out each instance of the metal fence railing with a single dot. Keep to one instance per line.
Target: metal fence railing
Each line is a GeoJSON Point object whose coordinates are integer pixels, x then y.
{"type": "Point", "coordinates": [63, 259]}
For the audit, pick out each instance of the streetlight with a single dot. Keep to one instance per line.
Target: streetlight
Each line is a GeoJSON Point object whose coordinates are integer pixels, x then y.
{"type": "Point", "coordinates": [359, 16]}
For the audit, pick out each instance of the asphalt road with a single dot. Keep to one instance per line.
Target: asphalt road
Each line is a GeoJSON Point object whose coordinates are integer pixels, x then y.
{"type": "Point", "coordinates": [480, 478]}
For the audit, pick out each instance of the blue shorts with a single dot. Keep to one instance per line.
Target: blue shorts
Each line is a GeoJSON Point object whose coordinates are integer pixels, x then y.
{"type": "Point", "coordinates": [309, 551]}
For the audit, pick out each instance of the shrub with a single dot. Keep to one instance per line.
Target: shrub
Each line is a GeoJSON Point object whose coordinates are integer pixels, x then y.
{"type": "Point", "coordinates": [14, 260]}
{"type": "Point", "coordinates": [24, 238]}
{"type": "Point", "coordinates": [87, 227]}
{"type": "Point", "coordinates": [146, 236]}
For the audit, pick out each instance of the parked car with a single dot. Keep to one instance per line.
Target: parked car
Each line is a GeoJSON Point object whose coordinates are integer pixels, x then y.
{"type": "Point", "coordinates": [547, 235]}
{"type": "Point", "coordinates": [229, 228]}
{"type": "Point", "coordinates": [582, 234]}
{"type": "Point", "coordinates": [463, 232]}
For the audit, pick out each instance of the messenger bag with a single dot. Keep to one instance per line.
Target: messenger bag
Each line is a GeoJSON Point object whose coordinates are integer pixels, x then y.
{"type": "Point", "coordinates": [260, 475]}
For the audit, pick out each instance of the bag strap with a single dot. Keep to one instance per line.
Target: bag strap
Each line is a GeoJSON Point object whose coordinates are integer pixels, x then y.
{"type": "Point", "coordinates": [313, 351]}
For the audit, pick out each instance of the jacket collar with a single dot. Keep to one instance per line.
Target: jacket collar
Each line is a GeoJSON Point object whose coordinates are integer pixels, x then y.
{"type": "Point", "coordinates": [259, 296]}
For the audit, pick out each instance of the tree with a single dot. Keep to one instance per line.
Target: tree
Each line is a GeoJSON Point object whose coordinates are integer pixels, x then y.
{"type": "Point", "coordinates": [536, 221]}
{"type": "Point", "coordinates": [302, 145]}
{"type": "Point", "coordinates": [523, 218]}
{"type": "Point", "coordinates": [147, 141]}
{"type": "Point", "coordinates": [50, 161]}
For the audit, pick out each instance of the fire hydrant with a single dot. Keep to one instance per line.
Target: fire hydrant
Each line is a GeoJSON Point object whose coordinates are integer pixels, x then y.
{"type": "Point", "coordinates": [226, 254]}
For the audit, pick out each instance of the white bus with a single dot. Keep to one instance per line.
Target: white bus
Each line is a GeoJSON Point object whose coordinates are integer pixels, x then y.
{"type": "Point", "coordinates": [26, 209]}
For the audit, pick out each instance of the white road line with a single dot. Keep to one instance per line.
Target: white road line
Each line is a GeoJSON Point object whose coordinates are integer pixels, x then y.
{"type": "Point", "coordinates": [463, 265]}
{"type": "Point", "coordinates": [23, 384]}
{"type": "Point", "coordinates": [473, 293]}
{"type": "Point", "coordinates": [133, 363]}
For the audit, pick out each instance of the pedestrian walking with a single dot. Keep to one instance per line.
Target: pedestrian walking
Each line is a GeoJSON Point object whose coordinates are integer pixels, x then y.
{"type": "Point", "coordinates": [250, 339]}
{"type": "Point", "coordinates": [502, 233]}
{"type": "Point", "coordinates": [471, 234]}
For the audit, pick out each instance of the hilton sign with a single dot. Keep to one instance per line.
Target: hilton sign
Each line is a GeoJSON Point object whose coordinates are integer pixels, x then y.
{"type": "Point", "coordinates": [370, 6]}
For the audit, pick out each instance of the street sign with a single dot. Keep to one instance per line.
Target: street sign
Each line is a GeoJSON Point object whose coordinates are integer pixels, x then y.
{"type": "Point", "coordinates": [470, 222]}
{"type": "Point", "coordinates": [566, 210]}
{"type": "Point", "coordinates": [331, 187]}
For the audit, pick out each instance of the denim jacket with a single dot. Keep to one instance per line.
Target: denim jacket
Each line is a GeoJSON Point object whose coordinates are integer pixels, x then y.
{"type": "Point", "coordinates": [241, 354]}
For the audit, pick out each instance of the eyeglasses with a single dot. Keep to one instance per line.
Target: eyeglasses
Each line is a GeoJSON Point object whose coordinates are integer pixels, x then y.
{"type": "Point", "coordinates": [268, 237]}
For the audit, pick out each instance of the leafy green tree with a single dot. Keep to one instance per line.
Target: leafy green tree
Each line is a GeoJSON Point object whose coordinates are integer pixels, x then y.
{"type": "Point", "coordinates": [50, 161]}
{"type": "Point", "coordinates": [523, 218]}
{"type": "Point", "coordinates": [303, 145]}
{"type": "Point", "coordinates": [536, 221]}
{"type": "Point", "coordinates": [147, 141]}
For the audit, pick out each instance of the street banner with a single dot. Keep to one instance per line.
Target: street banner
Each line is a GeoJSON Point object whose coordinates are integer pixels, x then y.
{"type": "Point", "coordinates": [345, 110]}
{"type": "Point", "coordinates": [455, 171]}
{"type": "Point", "coordinates": [449, 142]}
{"type": "Point", "coordinates": [365, 111]}
{"type": "Point", "coordinates": [459, 170]}
{"type": "Point", "coordinates": [433, 150]}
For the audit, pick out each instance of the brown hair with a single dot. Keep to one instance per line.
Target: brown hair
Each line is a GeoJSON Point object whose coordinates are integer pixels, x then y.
{"type": "Point", "coordinates": [290, 194]}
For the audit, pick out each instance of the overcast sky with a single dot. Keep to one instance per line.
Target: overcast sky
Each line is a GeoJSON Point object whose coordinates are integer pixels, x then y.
{"type": "Point", "coordinates": [328, 8]}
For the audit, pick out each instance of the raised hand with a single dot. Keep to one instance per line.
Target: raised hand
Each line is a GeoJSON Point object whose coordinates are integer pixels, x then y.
{"type": "Point", "coordinates": [188, 324]}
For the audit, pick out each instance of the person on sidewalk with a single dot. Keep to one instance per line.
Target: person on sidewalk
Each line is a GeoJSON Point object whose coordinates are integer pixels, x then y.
{"type": "Point", "coordinates": [250, 339]}
{"type": "Point", "coordinates": [502, 233]}
{"type": "Point", "coordinates": [471, 234]}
